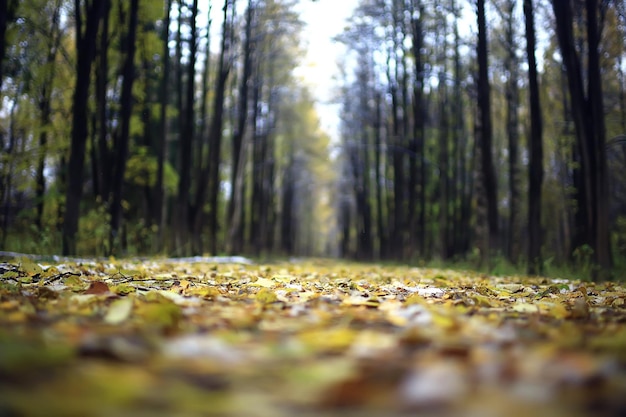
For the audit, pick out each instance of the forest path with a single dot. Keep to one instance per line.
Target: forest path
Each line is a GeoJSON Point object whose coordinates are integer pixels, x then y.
{"type": "Point", "coordinates": [161, 338]}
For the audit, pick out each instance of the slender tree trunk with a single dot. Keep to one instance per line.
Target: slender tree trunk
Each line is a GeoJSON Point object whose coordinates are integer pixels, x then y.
{"type": "Point", "coordinates": [256, 163]}
{"type": "Point", "coordinates": [45, 110]}
{"type": "Point", "coordinates": [595, 105]}
{"type": "Point", "coordinates": [484, 131]}
{"type": "Point", "coordinates": [236, 224]}
{"type": "Point", "coordinates": [162, 146]}
{"type": "Point", "coordinates": [121, 151]}
{"type": "Point", "coordinates": [588, 117]}
{"type": "Point", "coordinates": [511, 65]}
{"type": "Point", "coordinates": [85, 54]}
{"type": "Point", "coordinates": [459, 138]}
{"type": "Point", "coordinates": [378, 152]}
{"type": "Point", "coordinates": [7, 12]}
{"type": "Point", "coordinates": [416, 173]}
{"type": "Point", "coordinates": [535, 151]}
{"type": "Point", "coordinates": [187, 137]}
{"type": "Point", "coordinates": [102, 160]}
{"type": "Point", "coordinates": [215, 132]}
{"type": "Point", "coordinates": [197, 215]}
{"type": "Point", "coordinates": [397, 158]}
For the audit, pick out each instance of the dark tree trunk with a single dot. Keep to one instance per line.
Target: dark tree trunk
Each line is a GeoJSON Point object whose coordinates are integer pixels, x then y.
{"type": "Point", "coordinates": [397, 157]}
{"type": "Point", "coordinates": [187, 136]}
{"type": "Point", "coordinates": [417, 172]}
{"type": "Point", "coordinates": [54, 37]}
{"type": "Point", "coordinates": [102, 158]}
{"type": "Point", "coordinates": [383, 237]}
{"type": "Point", "coordinates": [484, 130]}
{"type": "Point", "coordinates": [257, 184]}
{"type": "Point", "coordinates": [176, 226]}
{"type": "Point", "coordinates": [535, 151]}
{"type": "Point", "coordinates": [287, 218]}
{"type": "Point", "coordinates": [7, 12]}
{"type": "Point", "coordinates": [595, 107]}
{"type": "Point", "coordinates": [235, 205]}
{"type": "Point", "coordinates": [587, 114]}
{"type": "Point", "coordinates": [215, 133]}
{"type": "Point", "coordinates": [459, 138]}
{"type": "Point", "coordinates": [122, 144]}
{"type": "Point", "coordinates": [85, 54]}
{"type": "Point", "coordinates": [444, 154]}
{"type": "Point", "coordinates": [162, 146]}
{"type": "Point", "coordinates": [511, 66]}
{"type": "Point", "coordinates": [199, 160]}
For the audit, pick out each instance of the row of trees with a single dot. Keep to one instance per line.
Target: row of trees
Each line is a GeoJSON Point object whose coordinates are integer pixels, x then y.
{"type": "Point", "coordinates": [179, 127]}
{"type": "Point", "coordinates": [457, 142]}
{"type": "Point", "coordinates": [141, 126]}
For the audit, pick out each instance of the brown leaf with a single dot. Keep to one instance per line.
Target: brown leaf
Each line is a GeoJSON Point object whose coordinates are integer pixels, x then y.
{"type": "Point", "coordinates": [97, 288]}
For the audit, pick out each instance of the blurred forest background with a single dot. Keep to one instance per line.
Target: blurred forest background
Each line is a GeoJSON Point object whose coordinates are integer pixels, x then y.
{"type": "Point", "coordinates": [127, 127]}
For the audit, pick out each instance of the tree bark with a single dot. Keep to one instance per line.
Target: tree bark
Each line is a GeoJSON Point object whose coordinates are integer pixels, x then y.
{"type": "Point", "coordinates": [511, 66]}
{"type": "Point", "coordinates": [484, 131]}
{"type": "Point", "coordinates": [535, 149]}
{"type": "Point", "coordinates": [587, 114]}
{"type": "Point", "coordinates": [122, 145]}
{"type": "Point", "coordinates": [7, 13]}
{"type": "Point", "coordinates": [45, 110]}
{"type": "Point", "coordinates": [85, 54]}
{"type": "Point", "coordinates": [235, 205]}
{"type": "Point", "coordinates": [187, 136]}
{"type": "Point", "coordinates": [162, 145]}
{"type": "Point", "coordinates": [215, 133]}
{"type": "Point", "coordinates": [595, 106]}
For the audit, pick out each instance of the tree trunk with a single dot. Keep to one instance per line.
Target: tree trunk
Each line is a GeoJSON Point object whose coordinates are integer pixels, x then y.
{"type": "Point", "coordinates": [595, 106]}
{"type": "Point", "coordinates": [215, 133]}
{"type": "Point", "coordinates": [187, 137]}
{"type": "Point", "coordinates": [7, 13]}
{"type": "Point", "coordinates": [85, 54]}
{"type": "Point", "coordinates": [54, 37]}
{"type": "Point", "coordinates": [121, 151]}
{"type": "Point", "coordinates": [416, 172]}
{"type": "Point", "coordinates": [484, 131]}
{"type": "Point", "coordinates": [102, 160]}
{"type": "Point", "coordinates": [511, 66]}
{"type": "Point", "coordinates": [236, 199]}
{"type": "Point", "coordinates": [535, 149]}
{"type": "Point", "coordinates": [588, 117]}
{"type": "Point", "coordinates": [383, 241]}
{"type": "Point", "coordinates": [162, 146]}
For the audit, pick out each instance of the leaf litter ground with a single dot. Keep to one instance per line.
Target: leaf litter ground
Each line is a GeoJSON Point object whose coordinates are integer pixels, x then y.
{"type": "Point", "coordinates": [198, 338]}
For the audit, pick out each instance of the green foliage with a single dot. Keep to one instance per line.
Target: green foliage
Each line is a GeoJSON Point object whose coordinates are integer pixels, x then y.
{"type": "Point", "coordinates": [93, 231]}
{"type": "Point", "coordinates": [142, 169]}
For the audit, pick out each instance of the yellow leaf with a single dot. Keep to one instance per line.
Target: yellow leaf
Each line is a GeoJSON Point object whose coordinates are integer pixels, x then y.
{"type": "Point", "coordinates": [119, 311]}
{"type": "Point", "coordinates": [283, 279]}
{"type": "Point", "coordinates": [525, 308]}
{"type": "Point", "coordinates": [556, 310]}
{"type": "Point", "coordinates": [329, 339]}
{"type": "Point", "coordinates": [30, 268]}
{"type": "Point", "coordinates": [265, 296]}
{"type": "Point", "coordinates": [205, 292]}
{"type": "Point", "coordinates": [263, 282]}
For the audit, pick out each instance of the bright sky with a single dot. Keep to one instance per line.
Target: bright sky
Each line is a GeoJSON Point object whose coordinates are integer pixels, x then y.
{"type": "Point", "coordinates": [324, 20]}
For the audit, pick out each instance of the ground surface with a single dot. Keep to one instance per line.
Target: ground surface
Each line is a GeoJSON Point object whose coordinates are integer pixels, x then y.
{"type": "Point", "coordinates": [196, 338]}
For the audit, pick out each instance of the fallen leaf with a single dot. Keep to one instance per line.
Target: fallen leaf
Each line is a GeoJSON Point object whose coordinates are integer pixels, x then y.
{"type": "Point", "coordinates": [119, 311]}
{"type": "Point", "coordinates": [97, 288]}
